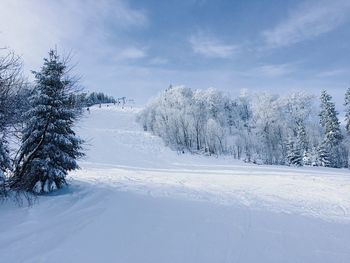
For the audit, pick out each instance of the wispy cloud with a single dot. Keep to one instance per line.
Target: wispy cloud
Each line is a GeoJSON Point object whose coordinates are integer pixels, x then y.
{"type": "Point", "coordinates": [211, 47]}
{"type": "Point", "coordinates": [307, 21]}
{"type": "Point", "coordinates": [274, 70]}
{"type": "Point", "coordinates": [158, 61]}
{"type": "Point", "coordinates": [131, 53]}
{"type": "Point", "coordinates": [83, 26]}
{"type": "Point", "coordinates": [334, 73]}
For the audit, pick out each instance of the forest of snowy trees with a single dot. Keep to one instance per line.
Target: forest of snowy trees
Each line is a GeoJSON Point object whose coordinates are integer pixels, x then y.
{"type": "Point", "coordinates": [295, 129]}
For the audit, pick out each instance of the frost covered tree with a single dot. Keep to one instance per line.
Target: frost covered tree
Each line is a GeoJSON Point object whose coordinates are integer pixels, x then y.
{"type": "Point", "coordinates": [302, 139]}
{"type": "Point", "coordinates": [263, 128]}
{"type": "Point", "coordinates": [10, 83]}
{"type": "Point", "coordinates": [347, 111]}
{"type": "Point", "coordinates": [49, 147]}
{"type": "Point", "coordinates": [187, 120]}
{"type": "Point", "coordinates": [331, 150]}
{"type": "Point", "coordinates": [5, 164]}
{"type": "Point", "coordinates": [270, 142]}
{"type": "Point", "coordinates": [297, 108]}
{"type": "Point", "coordinates": [294, 154]}
{"type": "Point", "coordinates": [324, 157]}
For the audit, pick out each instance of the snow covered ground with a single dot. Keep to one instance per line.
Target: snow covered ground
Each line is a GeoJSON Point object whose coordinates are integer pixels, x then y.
{"type": "Point", "coordinates": [135, 200]}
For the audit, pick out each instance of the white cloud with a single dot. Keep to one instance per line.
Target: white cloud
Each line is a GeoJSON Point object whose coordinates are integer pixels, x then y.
{"type": "Point", "coordinates": [307, 21]}
{"type": "Point", "coordinates": [274, 70]}
{"type": "Point", "coordinates": [334, 73]}
{"type": "Point", "coordinates": [158, 61]}
{"type": "Point", "coordinates": [210, 47]}
{"type": "Point", "coordinates": [131, 53]}
{"type": "Point", "coordinates": [86, 27]}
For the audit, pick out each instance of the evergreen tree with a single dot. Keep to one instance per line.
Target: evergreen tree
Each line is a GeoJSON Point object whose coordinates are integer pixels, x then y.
{"type": "Point", "coordinates": [311, 156]}
{"type": "Point", "coordinates": [50, 147]}
{"type": "Point", "coordinates": [324, 157]}
{"type": "Point", "coordinates": [331, 149]}
{"type": "Point", "coordinates": [302, 138]}
{"type": "Point", "coordinates": [294, 155]}
{"type": "Point", "coordinates": [347, 111]}
{"type": "Point", "coordinates": [301, 145]}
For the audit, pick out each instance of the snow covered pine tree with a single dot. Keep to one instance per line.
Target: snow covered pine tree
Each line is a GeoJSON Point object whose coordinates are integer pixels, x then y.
{"type": "Point", "coordinates": [347, 111]}
{"type": "Point", "coordinates": [50, 147]}
{"type": "Point", "coordinates": [294, 155]}
{"type": "Point", "coordinates": [331, 151]}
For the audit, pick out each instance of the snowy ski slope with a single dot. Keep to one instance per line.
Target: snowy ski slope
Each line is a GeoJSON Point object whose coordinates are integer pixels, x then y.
{"type": "Point", "coordinates": [135, 200]}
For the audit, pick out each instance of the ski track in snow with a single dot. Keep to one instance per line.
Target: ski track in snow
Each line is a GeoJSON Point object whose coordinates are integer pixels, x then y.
{"type": "Point", "coordinates": [135, 200]}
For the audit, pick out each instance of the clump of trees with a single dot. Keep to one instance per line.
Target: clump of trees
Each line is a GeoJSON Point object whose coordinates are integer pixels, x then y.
{"type": "Point", "coordinates": [97, 98]}
{"type": "Point", "coordinates": [264, 129]}
{"type": "Point", "coordinates": [42, 116]}
{"type": "Point", "coordinates": [81, 100]}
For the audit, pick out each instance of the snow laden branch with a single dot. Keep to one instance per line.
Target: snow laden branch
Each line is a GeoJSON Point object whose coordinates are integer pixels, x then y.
{"type": "Point", "coordinates": [11, 81]}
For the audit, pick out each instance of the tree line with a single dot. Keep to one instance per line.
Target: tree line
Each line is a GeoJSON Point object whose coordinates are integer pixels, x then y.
{"type": "Point", "coordinates": [263, 129]}
{"type": "Point", "coordinates": [84, 99]}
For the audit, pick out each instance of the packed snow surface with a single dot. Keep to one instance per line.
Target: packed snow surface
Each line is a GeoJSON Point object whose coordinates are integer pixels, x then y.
{"type": "Point", "coordinates": [135, 200]}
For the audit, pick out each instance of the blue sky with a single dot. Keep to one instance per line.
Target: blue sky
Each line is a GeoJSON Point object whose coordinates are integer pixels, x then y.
{"type": "Point", "coordinates": [137, 48]}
